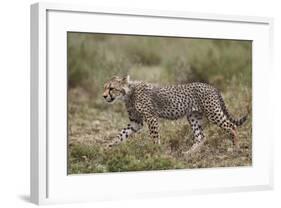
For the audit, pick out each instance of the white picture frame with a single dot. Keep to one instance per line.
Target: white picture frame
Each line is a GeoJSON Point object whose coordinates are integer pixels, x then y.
{"type": "Point", "coordinates": [49, 180]}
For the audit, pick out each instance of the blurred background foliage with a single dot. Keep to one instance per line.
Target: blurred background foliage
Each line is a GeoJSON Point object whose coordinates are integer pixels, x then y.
{"type": "Point", "coordinates": [94, 58]}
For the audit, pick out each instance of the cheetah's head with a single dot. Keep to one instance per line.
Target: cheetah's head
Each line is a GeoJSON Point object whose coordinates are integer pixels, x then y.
{"type": "Point", "coordinates": [116, 88]}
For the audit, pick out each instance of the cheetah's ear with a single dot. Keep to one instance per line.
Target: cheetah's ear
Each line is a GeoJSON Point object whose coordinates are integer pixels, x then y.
{"type": "Point", "coordinates": [126, 79]}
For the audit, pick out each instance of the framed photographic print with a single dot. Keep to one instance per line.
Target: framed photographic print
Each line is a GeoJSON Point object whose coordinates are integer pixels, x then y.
{"type": "Point", "coordinates": [130, 103]}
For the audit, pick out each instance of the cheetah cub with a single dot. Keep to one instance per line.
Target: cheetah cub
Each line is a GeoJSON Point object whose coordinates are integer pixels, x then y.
{"type": "Point", "coordinates": [148, 102]}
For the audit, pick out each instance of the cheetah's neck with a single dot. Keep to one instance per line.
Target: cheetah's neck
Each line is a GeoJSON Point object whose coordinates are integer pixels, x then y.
{"type": "Point", "coordinates": [129, 89]}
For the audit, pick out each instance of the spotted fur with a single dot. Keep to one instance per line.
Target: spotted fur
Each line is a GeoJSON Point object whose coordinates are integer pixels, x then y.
{"type": "Point", "coordinates": [148, 103]}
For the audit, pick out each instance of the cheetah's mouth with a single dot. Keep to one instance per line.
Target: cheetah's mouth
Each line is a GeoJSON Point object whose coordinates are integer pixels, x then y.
{"type": "Point", "coordinates": [110, 100]}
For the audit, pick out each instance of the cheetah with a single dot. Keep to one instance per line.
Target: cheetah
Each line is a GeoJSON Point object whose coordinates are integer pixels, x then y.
{"type": "Point", "coordinates": [148, 103]}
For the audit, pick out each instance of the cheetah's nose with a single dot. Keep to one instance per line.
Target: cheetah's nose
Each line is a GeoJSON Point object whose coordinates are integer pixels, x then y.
{"type": "Point", "coordinates": [104, 96]}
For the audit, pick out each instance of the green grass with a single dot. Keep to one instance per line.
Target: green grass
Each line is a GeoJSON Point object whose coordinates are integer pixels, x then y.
{"type": "Point", "coordinates": [92, 123]}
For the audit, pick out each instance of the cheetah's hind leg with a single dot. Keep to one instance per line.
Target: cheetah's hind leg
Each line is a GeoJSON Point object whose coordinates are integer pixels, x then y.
{"type": "Point", "coordinates": [195, 120]}
{"type": "Point", "coordinates": [231, 129]}
{"type": "Point", "coordinates": [225, 124]}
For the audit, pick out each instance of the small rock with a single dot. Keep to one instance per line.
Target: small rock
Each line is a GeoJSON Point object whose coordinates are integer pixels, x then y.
{"type": "Point", "coordinates": [85, 157]}
{"type": "Point", "coordinates": [230, 149]}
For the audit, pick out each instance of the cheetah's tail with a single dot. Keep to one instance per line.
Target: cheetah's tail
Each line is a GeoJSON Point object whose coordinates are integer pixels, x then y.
{"type": "Point", "coordinates": [237, 122]}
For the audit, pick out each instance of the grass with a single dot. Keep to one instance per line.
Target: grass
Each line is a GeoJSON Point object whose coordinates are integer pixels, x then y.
{"type": "Point", "coordinates": [92, 123]}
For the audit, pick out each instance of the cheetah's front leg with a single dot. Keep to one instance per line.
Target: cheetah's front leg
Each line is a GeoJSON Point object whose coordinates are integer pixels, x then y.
{"type": "Point", "coordinates": [153, 127]}
{"type": "Point", "coordinates": [131, 128]}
